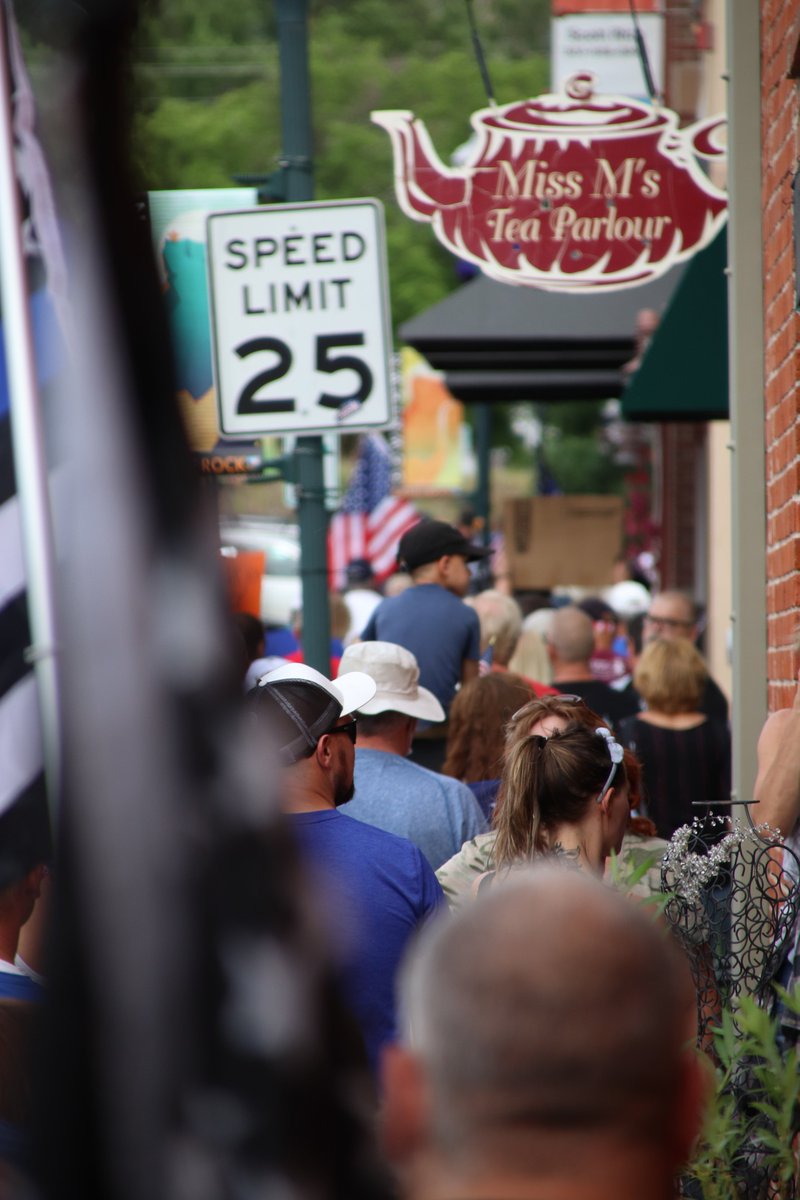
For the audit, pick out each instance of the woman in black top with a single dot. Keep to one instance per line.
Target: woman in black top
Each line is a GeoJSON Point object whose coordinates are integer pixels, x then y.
{"type": "Point", "coordinates": [685, 755]}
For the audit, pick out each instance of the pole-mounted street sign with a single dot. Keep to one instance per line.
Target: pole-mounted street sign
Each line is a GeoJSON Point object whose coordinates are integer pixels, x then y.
{"type": "Point", "coordinates": [300, 318]}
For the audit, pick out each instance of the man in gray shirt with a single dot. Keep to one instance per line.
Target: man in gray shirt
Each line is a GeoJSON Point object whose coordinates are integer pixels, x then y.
{"type": "Point", "coordinates": [436, 813]}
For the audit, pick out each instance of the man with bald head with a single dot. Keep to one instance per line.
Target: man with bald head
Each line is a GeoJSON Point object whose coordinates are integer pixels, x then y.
{"type": "Point", "coordinates": [673, 614]}
{"type": "Point", "coordinates": [570, 644]}
{"type": "Point", "coordinates": [550, 1052]}
{"type": "Point", "coordinates": [501, 628]}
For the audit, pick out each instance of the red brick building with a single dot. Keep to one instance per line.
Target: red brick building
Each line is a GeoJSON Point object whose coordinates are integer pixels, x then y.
{"type": "Point", "coordinates": [780, 151]}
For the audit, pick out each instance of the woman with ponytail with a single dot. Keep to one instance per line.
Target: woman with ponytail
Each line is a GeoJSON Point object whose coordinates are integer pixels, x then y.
{"type": "Point", "coordinates": [528, 831]}
{"type": "Point", "coordinates": [565, 796]}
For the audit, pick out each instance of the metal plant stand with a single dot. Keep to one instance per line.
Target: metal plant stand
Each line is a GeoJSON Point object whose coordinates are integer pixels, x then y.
{"type": "Point", "coordinates": [732, 899]}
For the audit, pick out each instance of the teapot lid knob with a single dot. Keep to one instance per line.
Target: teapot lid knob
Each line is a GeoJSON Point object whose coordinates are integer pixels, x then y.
{"type": "Point", "coordinates": [580, 86]}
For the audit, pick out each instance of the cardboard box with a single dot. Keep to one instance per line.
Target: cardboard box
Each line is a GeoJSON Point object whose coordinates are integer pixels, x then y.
{"type": "Point", "coordinates": [555, 541]}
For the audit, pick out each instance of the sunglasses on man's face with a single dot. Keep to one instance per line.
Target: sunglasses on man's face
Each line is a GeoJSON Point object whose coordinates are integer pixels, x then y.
{"type": "Point", "coordinates": [349, 727]}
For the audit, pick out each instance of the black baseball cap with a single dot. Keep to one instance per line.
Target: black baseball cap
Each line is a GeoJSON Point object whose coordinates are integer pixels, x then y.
{"type": "Point", "coordinates": [430, 540]}
{"type": "Point", "coordinates": [359, 570]}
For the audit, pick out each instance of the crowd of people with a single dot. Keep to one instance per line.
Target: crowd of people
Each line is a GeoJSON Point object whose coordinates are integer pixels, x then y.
{"type": "Point", "coordinates": [502, 762]}
{"type": "Point", "coordinates": [472, 790]}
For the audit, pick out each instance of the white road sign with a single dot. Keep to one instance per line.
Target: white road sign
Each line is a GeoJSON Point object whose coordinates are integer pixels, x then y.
{"type": "Point", "coordinates": [300, 318]}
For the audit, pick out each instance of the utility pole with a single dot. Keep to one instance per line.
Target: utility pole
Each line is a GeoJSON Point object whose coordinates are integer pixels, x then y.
{"type": "Point", "coordinates": [298, 178]}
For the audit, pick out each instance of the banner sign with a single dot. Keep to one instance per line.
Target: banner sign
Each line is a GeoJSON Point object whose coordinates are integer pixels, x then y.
{"type": "Point", "coordinates": [433, 430]}
{"type": "Point", "coordinates": [178, 227]}
{"type": "Point", "coordinates": [569, 191]}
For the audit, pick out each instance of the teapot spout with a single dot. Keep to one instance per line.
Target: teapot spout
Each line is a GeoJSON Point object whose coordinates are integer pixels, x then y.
{"type": "Point", "coordinates": [422, 182]}
{"type": "Point", "coordinates": [702, 139]}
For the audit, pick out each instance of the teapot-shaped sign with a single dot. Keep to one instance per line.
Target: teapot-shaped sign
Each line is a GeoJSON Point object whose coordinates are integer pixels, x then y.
{"type": "Point", "coordinates": [569, 191]}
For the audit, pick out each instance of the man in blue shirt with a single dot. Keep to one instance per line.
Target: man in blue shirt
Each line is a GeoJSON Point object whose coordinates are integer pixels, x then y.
{"type": "Point", "coordinates": [436, 813]}
{"type": "Point", "coordinates": [25, 848]}
{"type": "Point", "coordinates": [17, 902]}
{"type": "Point", "coordinates": [374, 889]}
{"type": "Point", "coordinates": [431, 620]}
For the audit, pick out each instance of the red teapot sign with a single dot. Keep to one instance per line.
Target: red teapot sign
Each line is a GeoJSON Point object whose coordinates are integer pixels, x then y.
{"type": "Point", "coordinates": [568, 192]}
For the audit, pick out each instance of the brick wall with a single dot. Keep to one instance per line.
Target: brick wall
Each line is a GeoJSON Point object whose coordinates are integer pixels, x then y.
{"type": "Point", "coordinates": [682, 445]}
{"type": "Point", "coordinates": [780, 112]}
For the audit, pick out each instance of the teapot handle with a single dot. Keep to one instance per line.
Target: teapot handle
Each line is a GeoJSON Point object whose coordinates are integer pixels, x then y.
{"type": "Point", "coordinates": [699, 139]}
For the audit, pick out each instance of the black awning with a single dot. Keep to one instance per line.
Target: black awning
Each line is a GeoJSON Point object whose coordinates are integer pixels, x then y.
{"type": "Point", "coordinates": [683, 375]}
{"type": "Point", "coordinates": [495, 341]}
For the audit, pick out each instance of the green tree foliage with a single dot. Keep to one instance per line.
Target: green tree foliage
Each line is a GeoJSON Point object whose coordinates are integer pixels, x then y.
{"type": "Point", "coordinates": [574, 453]}
{"type": "Point", "coordinates": [201, 24]}
{"type": "Point", "coordinates": [208, 80]}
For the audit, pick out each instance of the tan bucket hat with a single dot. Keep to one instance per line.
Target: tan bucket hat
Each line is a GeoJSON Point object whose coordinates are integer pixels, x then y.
{"type": "Point", "coordinates": [396, 674]}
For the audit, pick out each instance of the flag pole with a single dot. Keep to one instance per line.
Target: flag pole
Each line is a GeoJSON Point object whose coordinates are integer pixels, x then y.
{"type": "Point", "coordinates": [27, 433]}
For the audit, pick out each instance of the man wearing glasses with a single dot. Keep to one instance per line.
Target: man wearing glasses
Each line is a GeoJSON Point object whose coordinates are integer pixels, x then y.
{"type": "Point", "coordinates": [373, 888]}
{"type": "Point", "coordinates": [673, 614]}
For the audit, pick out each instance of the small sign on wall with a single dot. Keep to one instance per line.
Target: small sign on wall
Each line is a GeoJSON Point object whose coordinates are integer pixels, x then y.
{"type": "Point", "coordinates": [605, 44]}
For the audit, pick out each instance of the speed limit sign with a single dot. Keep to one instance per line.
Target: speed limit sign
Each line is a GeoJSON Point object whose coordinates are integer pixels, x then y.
{"type": "Point", "coordinates": [300, 318]}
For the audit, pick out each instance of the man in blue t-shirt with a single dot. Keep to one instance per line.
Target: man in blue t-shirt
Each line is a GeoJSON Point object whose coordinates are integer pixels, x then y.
{"type": "Point", "coordinates": [25, 849]}
{"type": "Point", "coordinates": [435, 812]}
{"type": "Point", "coordinates": [17, 901]}
{"type": "Point", "coordinates": [374, 888]}
{"type": "Point", "coordinates": [431, 620]}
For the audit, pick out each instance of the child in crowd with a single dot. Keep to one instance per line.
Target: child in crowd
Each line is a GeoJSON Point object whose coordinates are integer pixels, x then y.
{"type": "Point", "coordinates": [431, 620]}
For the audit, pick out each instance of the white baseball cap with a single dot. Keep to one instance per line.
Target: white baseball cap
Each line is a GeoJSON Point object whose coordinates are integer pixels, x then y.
{"type": "Point", "coordinates": [628, 598]}
{"type": "Point", "coordinates": [303, 704]}
{"type": "Point", "coordinates": [351, 693]}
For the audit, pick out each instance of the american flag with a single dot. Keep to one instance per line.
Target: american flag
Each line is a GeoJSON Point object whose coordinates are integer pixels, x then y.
{"type": "Point", "coordinates": [371, 520]}
{"type": "Point", "coordinates": [213, 993]}
{"type": "Point", "coordinates": [31, 295]}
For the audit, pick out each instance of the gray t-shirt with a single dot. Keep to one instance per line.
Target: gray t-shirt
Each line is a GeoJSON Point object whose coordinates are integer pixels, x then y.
{"type": "Point", "coordinates": [438, 814]}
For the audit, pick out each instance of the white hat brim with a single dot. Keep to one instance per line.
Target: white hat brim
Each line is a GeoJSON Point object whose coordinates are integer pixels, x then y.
{"type": "Point", "coordinates": [425, 706]}
{"type": "Point", "coordinates": [356, 689]}
{"type": "Point", "coordinates": [351, 690]}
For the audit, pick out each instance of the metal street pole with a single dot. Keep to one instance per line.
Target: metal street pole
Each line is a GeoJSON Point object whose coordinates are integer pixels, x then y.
{"type": "Point", "coordinates": [483, 440]}
{"type": "Point", "coordinates": [746, 341]}
{"type": "Point", "coordinates": [297, 164]}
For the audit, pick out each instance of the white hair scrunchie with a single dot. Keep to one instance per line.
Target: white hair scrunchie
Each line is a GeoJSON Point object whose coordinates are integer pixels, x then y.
{"type": "Point", "coordinates": [614, 749]}
{"type": "Point", "coordinates": [616, 754]}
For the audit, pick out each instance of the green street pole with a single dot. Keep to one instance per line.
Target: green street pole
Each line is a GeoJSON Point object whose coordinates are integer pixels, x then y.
{"type": "Point", "coordinates": [483, 443]}
{"type": "Point", "coordinates": [297, 164]}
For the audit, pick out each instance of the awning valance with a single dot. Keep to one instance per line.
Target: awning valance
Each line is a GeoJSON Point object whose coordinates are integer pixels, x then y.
{"type": "Point", "coordinates": [683, 375]}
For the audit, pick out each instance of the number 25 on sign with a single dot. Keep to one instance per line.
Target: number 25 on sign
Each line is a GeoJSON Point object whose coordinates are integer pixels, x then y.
{"type": "Point", "coordinates": [300, 318]}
